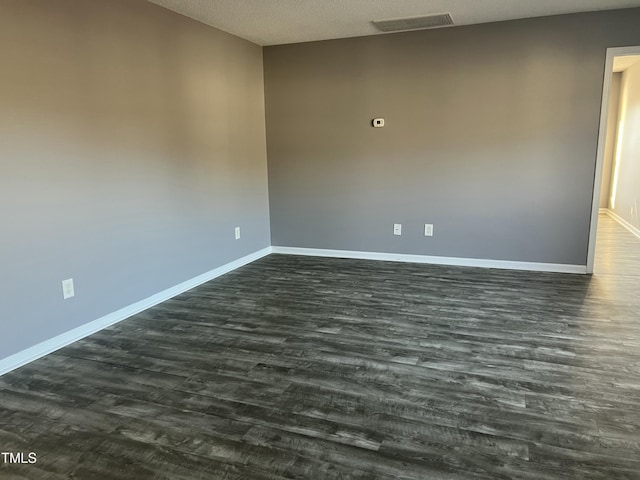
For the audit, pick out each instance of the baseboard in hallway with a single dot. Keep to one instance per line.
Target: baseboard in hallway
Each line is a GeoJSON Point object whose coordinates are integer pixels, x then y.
{"type": "Point", "coordinates": [621, 221]}
{"type": "Point", "coordinates": [617, 251]}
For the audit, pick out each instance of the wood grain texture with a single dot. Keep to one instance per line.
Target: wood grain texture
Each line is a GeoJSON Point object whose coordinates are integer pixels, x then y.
{"type": "Point", "coordinates": [304, 367]}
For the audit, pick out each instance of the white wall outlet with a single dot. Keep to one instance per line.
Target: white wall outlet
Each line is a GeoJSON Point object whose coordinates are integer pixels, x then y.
{"type": "Point", "coordinates": [397, 229]}
{"type": "Point", "coordinates": [428, 230]}
{"type": "Point", "coordinates": [237, 233]}
{"type": "Point", "coordinates": [377, 122]}
{"type": "Point", "coordinates": [67, 289]}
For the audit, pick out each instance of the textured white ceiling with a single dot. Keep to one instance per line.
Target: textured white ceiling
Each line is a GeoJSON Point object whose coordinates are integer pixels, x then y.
{"type": "Point", "coordinates": [620, 64]}
{"type": "Point", "coordinates": [272, 22]}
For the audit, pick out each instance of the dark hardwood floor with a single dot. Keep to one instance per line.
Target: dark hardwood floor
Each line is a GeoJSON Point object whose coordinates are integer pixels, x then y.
{"type": "Point", "coordinates": [314, 368]}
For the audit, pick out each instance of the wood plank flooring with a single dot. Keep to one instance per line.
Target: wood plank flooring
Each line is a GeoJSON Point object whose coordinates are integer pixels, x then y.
{"type": "Point", "coordinates": [313, 368]}
{"type": "Point", "coordinates": [617, 251]}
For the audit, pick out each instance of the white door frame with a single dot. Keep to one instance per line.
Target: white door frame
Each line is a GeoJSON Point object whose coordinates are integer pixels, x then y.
{"type": "Point", "coordinates": [602, 136]}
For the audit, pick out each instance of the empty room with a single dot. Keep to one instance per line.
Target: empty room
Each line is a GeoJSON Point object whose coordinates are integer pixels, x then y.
{"type": "Point", "coordinates": [302, 239]}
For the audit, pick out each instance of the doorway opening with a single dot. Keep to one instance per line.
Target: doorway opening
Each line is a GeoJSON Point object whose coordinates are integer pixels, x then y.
{"type": "Point", "coordinates": [614, 237]}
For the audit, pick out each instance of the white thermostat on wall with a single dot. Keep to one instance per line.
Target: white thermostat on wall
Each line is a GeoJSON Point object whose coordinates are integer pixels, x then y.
{"type": "Point", "coordinates": [378, 122]}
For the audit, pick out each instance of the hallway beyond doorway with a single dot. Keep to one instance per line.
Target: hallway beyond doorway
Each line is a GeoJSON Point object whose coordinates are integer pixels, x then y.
{"type": "Point", "coordinates": [617, 249]}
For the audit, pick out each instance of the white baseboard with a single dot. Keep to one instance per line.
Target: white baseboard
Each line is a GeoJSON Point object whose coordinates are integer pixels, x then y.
{"type": "Point", "coordinates": [623, 222]}
{"type": "Point", "coordinates": [454, 261]}
{"type": "Point", "coordinates": [603, 210]}
{"type": "Point", "coordinates": [48, 346]}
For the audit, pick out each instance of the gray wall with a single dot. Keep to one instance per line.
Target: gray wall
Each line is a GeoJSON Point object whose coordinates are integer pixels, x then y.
{"type": "Point", "coordinates": [626, 190]}
{"type": "Point", "coordinates": [491, 136]}
{"type": "Point", "coordinates": [610, 141]}
{"type": "Point", "coordinates": [132, 142]}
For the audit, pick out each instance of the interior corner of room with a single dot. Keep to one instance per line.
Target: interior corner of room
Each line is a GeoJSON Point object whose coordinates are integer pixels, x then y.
{"type": "Point", "coordinates": [144, 153]}
{"type": "Point", "coordinates": [137, 144]}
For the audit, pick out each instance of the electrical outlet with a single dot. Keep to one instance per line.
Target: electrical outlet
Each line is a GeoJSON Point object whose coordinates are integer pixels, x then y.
{"type": "Point", "coordinates": [237, 233]}
{"type": "Point", "coordinates": [397, 229]}
{"type": "Point", "coordinates": [428, 230]}
{"type": "Point", "coordinates": [67, 289]}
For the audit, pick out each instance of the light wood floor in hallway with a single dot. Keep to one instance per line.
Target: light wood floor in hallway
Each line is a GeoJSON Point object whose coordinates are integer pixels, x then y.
{"type": "Point", "coordinates": [311, 368]}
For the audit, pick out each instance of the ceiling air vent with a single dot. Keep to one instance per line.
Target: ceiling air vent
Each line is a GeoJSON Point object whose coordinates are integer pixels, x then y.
{"type": "Point", "coordinates": [414, 23]}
